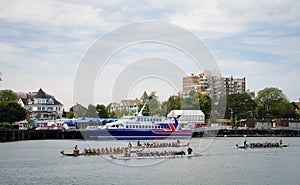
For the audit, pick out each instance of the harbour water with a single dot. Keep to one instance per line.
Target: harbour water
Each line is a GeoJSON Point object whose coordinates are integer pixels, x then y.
{"type": "Point", "coordinates": [39, 162]}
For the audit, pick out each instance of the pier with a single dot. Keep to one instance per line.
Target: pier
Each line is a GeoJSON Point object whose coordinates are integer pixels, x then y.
{"type": "Point", "coordinates": [20, 135]}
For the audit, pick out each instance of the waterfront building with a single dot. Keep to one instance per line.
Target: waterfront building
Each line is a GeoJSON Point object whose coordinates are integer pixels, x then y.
{"type": "Point", "coordinates": [188, 118]}
{"type": "Point", "coordinates": [213, 84]}
{"type": "Point", "coordinates": [41, 105]}
{"type": "Point", "coordinates": [130, 106]}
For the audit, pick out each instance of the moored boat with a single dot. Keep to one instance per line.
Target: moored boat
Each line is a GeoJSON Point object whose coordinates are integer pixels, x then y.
{"type": "Point", "coordinates": [140, 128]}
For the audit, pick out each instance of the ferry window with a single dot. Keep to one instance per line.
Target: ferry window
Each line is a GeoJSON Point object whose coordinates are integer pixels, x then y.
{"type": "Point", "coordinates": [126, 126]}
{"type": "Point", "coordinates": [133, 126]}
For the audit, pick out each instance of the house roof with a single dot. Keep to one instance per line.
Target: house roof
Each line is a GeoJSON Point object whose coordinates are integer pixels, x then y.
{"type": "Point", "coordinates": [130, 102]}
{"type": "Point", "coordinates": [298, 104]}
{"type": "Point", "coordinates": [40, 94]}
{"type": "Point", "coordinates": [144, 96]}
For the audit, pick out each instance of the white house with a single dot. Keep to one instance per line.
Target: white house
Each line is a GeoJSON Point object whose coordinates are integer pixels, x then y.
{"type": "Point", "coordinates": [188, 118]}
{"type": "Point", "coordinates": [131, 106]}
{"type": "Point", "coordinates": [41, 105]}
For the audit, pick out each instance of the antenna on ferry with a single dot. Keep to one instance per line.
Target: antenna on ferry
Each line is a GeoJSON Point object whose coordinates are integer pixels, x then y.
{"type": "Point", "coordinates": [142, 109]}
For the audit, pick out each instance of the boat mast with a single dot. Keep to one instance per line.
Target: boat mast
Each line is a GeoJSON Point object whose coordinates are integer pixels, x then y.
{"type": "Point", "coordinates": [142, 109]}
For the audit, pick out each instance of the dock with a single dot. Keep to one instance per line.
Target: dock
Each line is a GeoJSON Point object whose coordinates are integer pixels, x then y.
{"type": "Point", "coordinates": [20, 135]}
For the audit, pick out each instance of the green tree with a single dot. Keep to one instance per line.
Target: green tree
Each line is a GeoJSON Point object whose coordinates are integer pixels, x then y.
{"type": "Point", "coordinates": [78, 110]}
{"type": "Point", "coordinates": [91, 111]}
{"type": "Point", "coordinates": [102, 111]}
{"type": "Point", "coordinates": [8, 95]}
{"type": "Point", "coordinates": [297, 110]}
{"type": "Point", "coordinates": [11, 111]}
{"type": "Point", "coordinates": [271, 103]}
{"type": "Point", "coordinates": [242, 106]}
{"type": "Point", "coordinates": [112, 114]}
{"type": "Point", "coordinates": [173, 103]}
{"type": "Point", "coordinates": [205, 104]}
{"type": "Point", "coordinates": [152, 107]}
{"type": "Point", "coordinates": [191, 102]}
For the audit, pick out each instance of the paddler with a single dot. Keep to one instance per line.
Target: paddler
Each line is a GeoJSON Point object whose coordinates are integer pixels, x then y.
{"type": "Point", "coordinates": [189, 150]}
{"type": "Point", "coordinates": [129, 145]}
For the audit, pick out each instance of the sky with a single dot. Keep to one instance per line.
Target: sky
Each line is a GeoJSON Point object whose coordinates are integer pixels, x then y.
{"type": "Point", "coordinates": [42, 43]}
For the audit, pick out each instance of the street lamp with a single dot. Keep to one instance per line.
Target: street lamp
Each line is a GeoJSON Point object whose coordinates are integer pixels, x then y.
{"type": "Point", "coordinates": [231, 116]}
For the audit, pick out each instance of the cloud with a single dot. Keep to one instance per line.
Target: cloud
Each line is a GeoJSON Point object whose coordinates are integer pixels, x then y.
{"type": "Point", "coordinates": [42, 42]}
{"type": "Point", "coordinates": [55, 13]}
{"type": "Point", "coordinates": [234, 17]}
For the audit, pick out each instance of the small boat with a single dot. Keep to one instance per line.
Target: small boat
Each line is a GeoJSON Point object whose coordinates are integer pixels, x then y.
{"type": "Point", "coordinates": [155, 156]}
{"type": "Point", "coordinates": [260, 146]}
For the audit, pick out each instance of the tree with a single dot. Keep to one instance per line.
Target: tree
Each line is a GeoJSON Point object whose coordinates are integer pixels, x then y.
{"type": "Point", "coordinates": [297, 110]}
{"type": "Point", "coordinates": [241, 105]}
{"type": "Point", "coordinates": [11, 111]}
{"type": "Point", "coordinates": [91, 111]}
{"type": "Point", "coordinates": [205, 104]}
{"type": "Point", "coordinates": [102, 111]}
{"type": "Point", "coordinates": [191, 102]}
{"type": "Point", "coordinates": [8, 95]}
{"type": "Point", "coordinates": [152, 107]}
{"type": "Point", "coordinates": [271, 103]}
{"type": "Point", "coordinates": [78, 110]}
{"type": "Point", "coordinates": [173, 103]}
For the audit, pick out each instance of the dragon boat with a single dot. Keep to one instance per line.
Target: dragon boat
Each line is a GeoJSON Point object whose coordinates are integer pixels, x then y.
{"type": "Point", "coordinates": [154, 156]}
{"type": "Point", "coordinates": [262, 145]}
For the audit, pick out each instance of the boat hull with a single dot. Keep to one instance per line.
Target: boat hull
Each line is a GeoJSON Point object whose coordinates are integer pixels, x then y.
{"type": "Point", "coordinates": [254, 147]}
{"type": "Point", "coordinates": [131, 134]}
{"type": "Point", "coordinates": [155, 157]}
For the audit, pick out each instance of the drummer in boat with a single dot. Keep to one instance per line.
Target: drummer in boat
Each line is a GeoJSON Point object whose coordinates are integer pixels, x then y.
{"type": "Point", "coordinates": [75, 150]}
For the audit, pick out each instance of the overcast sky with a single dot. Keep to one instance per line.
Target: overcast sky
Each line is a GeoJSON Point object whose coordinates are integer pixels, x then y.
{"type": "Point", "coordinates": [42, 42]}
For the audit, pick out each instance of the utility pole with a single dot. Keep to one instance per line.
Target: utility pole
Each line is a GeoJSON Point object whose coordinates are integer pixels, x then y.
{"type": "Point", "coordinates": [1, 77]}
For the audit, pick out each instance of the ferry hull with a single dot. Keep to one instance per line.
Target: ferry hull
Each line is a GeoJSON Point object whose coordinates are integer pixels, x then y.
{"type": "Point", "coordinates": [128, 134]}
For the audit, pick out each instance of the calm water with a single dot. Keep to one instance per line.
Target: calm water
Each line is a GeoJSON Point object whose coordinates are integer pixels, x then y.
{"type": "Point", "coordinates": [39, 162]}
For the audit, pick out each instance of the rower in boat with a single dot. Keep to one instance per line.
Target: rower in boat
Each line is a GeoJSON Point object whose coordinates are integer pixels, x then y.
{"type": "Point", "coordinates": [129, 145]}
{"type": "Point", "coordinates": [245, 143]}
{"type": "Point", "coordinates": [189, 150]}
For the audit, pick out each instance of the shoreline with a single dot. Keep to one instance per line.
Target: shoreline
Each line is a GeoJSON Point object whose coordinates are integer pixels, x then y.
{"type": "Point", "coordinates": [22, 135]}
